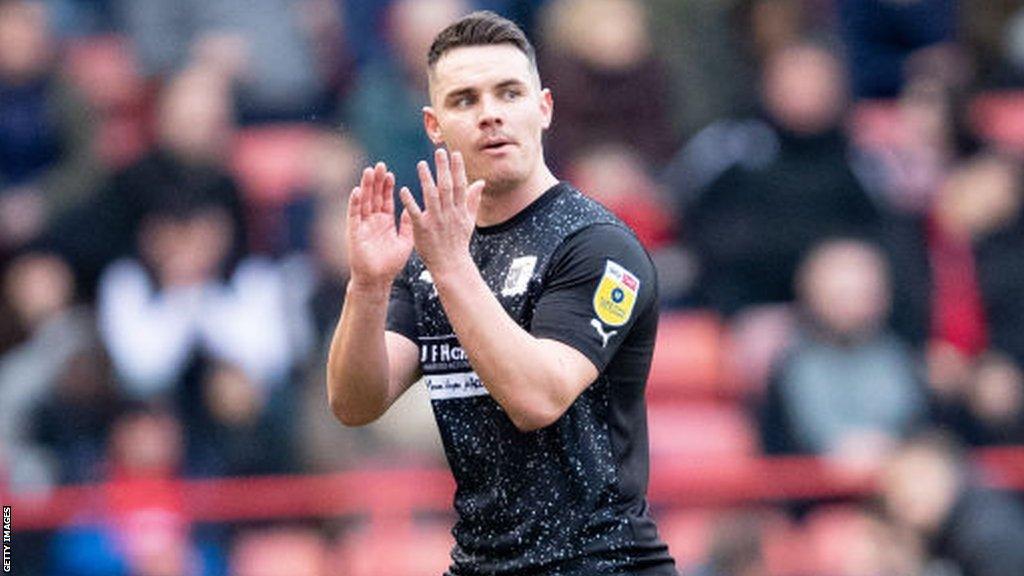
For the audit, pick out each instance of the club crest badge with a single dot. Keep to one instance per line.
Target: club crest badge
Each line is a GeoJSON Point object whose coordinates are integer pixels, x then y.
{"type": "Point", "coordinates": [519, 274]}
{"type": "Point", "coordinates": [616, 295]}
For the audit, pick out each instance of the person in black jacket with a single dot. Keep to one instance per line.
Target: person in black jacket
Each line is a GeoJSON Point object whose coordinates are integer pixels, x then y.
{"type": "Point", "coordinates": [757, 194]}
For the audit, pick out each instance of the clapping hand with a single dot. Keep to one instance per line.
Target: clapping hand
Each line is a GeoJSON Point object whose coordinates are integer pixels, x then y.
{"type": "Point", "coordinates": [377, 247]}
{"type": "Point", "coordinates": [442, 230]}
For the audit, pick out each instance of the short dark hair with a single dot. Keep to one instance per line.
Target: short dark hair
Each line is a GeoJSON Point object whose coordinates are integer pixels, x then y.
{"type": "Point", "coordinates": [480, 28]}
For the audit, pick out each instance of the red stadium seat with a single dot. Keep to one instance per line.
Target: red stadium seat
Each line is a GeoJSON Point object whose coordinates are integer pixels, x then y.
{"type": "Point", "coordinates": [701, 432]}
{"type": "Point", "coordinates": [688, 357]}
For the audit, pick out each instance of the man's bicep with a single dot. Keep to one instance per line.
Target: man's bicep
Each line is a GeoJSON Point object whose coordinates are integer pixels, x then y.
{"type": "Point", "coordinates": [578, 369]}
{"type": "Point", "coordinates": [403, 364]}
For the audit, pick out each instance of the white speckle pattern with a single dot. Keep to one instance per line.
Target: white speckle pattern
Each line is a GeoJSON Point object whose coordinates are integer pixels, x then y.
{"type": "Point", "coordinates": [548, 501]}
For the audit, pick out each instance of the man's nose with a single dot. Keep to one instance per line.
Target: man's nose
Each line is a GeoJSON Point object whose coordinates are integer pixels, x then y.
{"type": "Point", "coordinates": [490, 112]}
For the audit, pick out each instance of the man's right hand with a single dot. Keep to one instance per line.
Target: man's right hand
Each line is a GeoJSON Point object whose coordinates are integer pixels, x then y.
{"type": "Point", "coordinates": [377, 248]}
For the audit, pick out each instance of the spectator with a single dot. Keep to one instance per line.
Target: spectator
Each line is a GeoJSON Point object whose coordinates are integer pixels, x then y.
{"type": "Point", "coordinates": [610, 86]}
{"type": "Point", "coordinates": [184, 300]}
{"type": "Point", "coordinates": [142, 528]}
{"type": "Point", "coordinates": [928, 486]}
{"type": "Point", "coordinates": [996, 401]}
{"type": "Point", "coordinates": [932, 139]}
{"type": "Point", "coordinates": [47, 161]}
{"type": "Point", "coordinates": [384, 110]}
{"type": "Point", "coordinates": [194, 129]}
{"type": "Point", "coordinates": [987, 408]}
{"type": "Point", "coordinates": [847, 389]}
{"type": "Point", "coordinates": [40, 288]}
{"type": "Point", "coordinates": [236, 427]}
{"type": "Point", "coordinates": [959, 269]}
{"type": "Point", "coordinates": [756, 194]}
{"type": "Point", "coordinates": [72, 424]}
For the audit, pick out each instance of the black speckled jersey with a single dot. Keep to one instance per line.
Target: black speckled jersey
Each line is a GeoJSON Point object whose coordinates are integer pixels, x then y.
{"type": "Point", "coordinates": [568, 498]}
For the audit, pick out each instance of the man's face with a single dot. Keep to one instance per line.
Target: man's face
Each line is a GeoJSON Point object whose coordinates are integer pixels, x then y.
{"type": "Point", "coordinates": [487, 103]}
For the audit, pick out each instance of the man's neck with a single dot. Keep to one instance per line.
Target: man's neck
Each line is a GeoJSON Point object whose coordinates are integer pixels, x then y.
{"type": "Point", "coordinates": [499, 205]}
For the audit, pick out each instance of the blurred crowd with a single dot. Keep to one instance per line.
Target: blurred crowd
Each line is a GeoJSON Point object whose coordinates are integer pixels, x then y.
{"type": "Point", "coordinates": [814, 174]}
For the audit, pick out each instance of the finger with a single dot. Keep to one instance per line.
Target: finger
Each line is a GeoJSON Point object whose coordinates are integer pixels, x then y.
{"type": "Point", "coordinates": [430, 200]}
{"type": "Point", "coordinates": [405, 223]}
{"type": "Point", "coordinates": [389, 194]}
{"type": "Point", "coordinates": [473, 194]}
{"type": "Point", "coordinates": [365, 190]}
{"type": "Point", "coordinates": [444, 178]}
{"type": "Point", "coordinates": [379, 176]}
{"type": "Point", "coordinates": [459, 175]}
{"type": "Point", "coordinates": [411, 208]}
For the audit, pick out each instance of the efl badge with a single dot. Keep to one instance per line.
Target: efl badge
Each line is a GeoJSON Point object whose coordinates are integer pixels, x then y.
{"type": "Point", "coordinates": [616, 295]}
{"type": "Point", "coordinates": [518, 278]}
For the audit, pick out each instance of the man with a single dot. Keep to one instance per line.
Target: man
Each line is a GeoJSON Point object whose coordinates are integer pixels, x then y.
{"type": "Point", "coordinates": [528, 310]}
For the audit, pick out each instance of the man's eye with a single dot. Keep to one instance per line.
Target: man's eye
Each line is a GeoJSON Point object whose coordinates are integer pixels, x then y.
{"type": "Point", "coordinates": [463, 102]}
{"type": "Point", "coordinates": [511, 94]}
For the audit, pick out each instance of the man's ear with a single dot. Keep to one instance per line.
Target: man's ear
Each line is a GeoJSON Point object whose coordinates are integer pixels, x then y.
{"type": "Point", "coordinates": [547, 107]}
{"type": "Point", "coordinates": [432, 126]}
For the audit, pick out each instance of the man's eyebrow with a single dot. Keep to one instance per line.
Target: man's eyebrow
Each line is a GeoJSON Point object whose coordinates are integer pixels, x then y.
{"type": "Point", "coordinates": [509, 83]}
{"type": "Point", "coordinates": [456, 94]}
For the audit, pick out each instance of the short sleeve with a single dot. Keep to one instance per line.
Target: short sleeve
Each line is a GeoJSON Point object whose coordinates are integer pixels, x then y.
{"type": "Point", "coordinates": [600, 284]}
{"type": "Point", "coordinates": [402, 308]}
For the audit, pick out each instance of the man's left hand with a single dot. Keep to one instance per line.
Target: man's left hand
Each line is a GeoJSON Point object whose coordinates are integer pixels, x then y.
{"type": "Point", "coordinates": [442, 230]}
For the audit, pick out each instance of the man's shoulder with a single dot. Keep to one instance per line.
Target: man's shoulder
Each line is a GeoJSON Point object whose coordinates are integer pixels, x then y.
{"type": "Point", "coordinates": [578, 211]}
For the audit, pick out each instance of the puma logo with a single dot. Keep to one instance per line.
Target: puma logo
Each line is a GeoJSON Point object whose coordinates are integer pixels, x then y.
{"type": "Point", "coordinates": [600, 331]}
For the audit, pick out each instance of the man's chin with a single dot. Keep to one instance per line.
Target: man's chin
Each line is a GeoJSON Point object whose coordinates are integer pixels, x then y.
{"type": "Point", "coordinates": [500, 182]}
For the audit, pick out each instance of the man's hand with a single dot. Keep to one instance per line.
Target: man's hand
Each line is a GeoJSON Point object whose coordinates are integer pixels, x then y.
{"type": "Point", "coordinates": [443, 229]}
{"type": "Point", "coordinates": [377, 250]}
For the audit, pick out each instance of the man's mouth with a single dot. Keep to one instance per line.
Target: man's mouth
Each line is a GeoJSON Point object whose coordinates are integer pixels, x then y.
{"type": "Point", "coordinates": [496, 145]}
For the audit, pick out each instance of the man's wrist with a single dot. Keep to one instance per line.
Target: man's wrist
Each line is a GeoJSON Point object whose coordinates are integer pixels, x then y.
{"type": "Point", "coordinates": [372, 290]}
{"type": "Point", "coordinates": [454, 270]}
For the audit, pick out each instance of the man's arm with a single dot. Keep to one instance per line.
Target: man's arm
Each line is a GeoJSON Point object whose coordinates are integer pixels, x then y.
{"type": "Point", "coordinates": [369, 368]}
{"type": "Point", "coordinates": [535, 380]}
